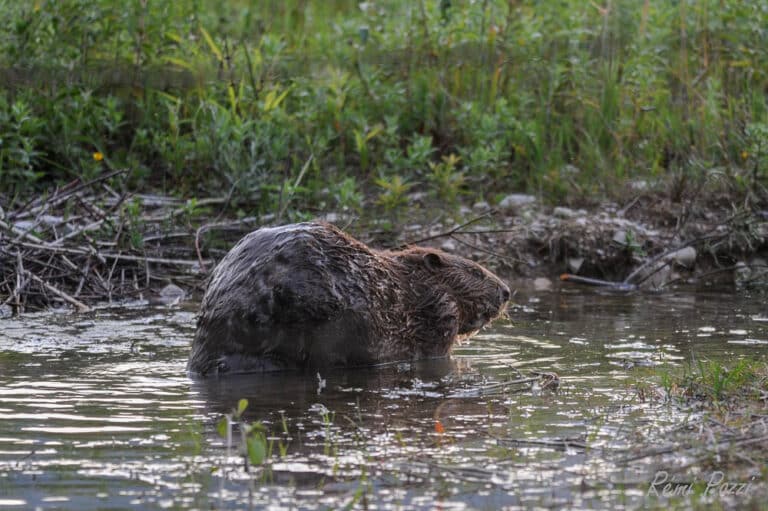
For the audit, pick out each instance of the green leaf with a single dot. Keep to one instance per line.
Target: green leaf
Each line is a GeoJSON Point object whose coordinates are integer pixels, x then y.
{"type": "Point", "coordinates": [257, 449]}
{"type": "Point", "coordinates": [241, 406]}
{"type": "Point", "coordinates": [374, 131]}
{"type": "Point", "coordinates": [211, 44]}
{"type": "Point", "coordinates": [222, 427]}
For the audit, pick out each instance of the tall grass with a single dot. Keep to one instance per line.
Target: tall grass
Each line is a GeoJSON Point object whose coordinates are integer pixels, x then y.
{"type": "Point", "coordinates": [565, 98]}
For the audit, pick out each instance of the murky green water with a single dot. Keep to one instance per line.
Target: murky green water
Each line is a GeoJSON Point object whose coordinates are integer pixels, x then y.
{"type": "Point", "coordinates": [97, 413]}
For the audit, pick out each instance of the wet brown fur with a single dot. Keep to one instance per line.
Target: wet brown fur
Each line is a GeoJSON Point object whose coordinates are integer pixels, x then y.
{"type": "Point", "coordinates": [310, 296]}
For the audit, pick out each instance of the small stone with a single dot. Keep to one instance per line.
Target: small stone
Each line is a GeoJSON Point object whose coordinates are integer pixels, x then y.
{"type": "Point", "coordinates": [332, 218]}
{"type": "Point", "coordinates": [563, 212]}
{"type": "Point", "coordinates": [481, 206]}
{"type": "Point", "coordinates": [542, 284]}
{"type": "Point", "coordinates": [574, 264]}
{"type": "Point", "coordinates": [684, 257]}
{"type": "Point", "coordinates": [516, 200]}
{"type": "Point", "coordinates": [24, 225]}
{"type": "Point", "coordinates": [171, 294]}
{"type": "Point", "coordinates": [569, 169]}
{"type": "Point", "coordinates": [448, 246]}
{"type": "Point", "coordinates": [620, 237]}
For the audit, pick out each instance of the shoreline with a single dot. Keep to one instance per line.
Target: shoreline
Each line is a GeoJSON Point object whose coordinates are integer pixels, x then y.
{"type": "Point", "coordinates": [85, 243]}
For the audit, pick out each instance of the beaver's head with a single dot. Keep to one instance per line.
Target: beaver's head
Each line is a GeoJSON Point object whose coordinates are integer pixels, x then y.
{"type": "Point", "coordinates": [479, 295]}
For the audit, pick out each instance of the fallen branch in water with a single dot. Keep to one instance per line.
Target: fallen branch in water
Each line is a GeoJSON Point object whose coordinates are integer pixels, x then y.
{"type": "Point", "coordinates": [616, 286]}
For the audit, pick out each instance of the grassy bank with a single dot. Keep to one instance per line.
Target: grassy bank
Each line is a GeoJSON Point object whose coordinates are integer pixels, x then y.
{"type": "Point", "coordinates": [302, 106]}
{"type": "Point", "coordinates": [725, 427]}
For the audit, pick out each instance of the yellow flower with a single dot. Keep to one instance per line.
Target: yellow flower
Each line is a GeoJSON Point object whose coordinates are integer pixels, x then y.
{"type": "Point", "coordinates": [744, 155]}
{"type": "Point", "coordinates": [98, 156]}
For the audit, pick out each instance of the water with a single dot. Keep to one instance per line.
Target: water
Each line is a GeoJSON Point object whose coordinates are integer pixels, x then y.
{"type": "Point", "coordinates": [97, 413]}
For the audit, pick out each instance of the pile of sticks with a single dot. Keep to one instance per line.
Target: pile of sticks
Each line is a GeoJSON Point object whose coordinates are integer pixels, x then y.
{"type": "Point", "coordinates": [87, 243]}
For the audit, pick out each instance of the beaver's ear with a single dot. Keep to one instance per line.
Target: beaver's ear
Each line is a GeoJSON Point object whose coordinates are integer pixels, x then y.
{"type": "Point", "coordinates": [433, 261]}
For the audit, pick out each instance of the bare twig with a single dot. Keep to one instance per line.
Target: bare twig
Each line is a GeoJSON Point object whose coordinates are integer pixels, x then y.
{"type": "Point", "coordinates": [81, 307]}
{"type": "Point", "coordinates": [451, 232]}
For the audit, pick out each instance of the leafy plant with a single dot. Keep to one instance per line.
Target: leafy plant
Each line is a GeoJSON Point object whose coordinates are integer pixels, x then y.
{"type": "Point", "coordinates": [447, 179]}
{"type": "Point", "coordinates": [393, 195]}
{"type": "Point", "coordinates": [256, 448]}
{"type": "Point", "coordinates": [198, 97]}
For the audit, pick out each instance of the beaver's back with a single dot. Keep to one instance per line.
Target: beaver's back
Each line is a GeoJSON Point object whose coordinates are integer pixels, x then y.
{"type": "Point", "coordinates": [289, 295]}
{"type": "Point", "coordinates": [272, 268]}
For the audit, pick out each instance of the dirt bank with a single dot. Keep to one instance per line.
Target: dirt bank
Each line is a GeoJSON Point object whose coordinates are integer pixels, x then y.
{"type": "Point", "coordinates": [86, 243]}
{"type": "Point", "coordinates": [647, 243]}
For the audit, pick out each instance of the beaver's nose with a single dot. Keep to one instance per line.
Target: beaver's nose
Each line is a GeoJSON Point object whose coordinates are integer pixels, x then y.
{"type": "Point", "coordinates": [505, 294]}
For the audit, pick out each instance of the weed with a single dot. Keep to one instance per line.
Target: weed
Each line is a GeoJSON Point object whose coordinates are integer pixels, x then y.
{"type": "Point", "coordinates": [715, 382]}
{"type": "Point", "coordinates": [198, 97]}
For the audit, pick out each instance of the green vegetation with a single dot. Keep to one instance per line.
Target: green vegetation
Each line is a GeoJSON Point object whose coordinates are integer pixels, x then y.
{"type": "Point", "coordinates": [257, 448]}
{"type": "Point", "coordinates": [744, 382]}
{"type": "Point", "coordinates": [297, 106]}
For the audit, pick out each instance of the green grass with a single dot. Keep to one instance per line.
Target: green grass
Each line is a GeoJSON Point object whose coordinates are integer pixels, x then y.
{"type": "Point", "coordinates": [303, 106]}
{"type": "Point", "coordinates": [741, 382]}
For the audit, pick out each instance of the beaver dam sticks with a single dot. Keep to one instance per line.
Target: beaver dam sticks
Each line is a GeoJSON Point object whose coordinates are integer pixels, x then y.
{"type": "Point", "coordinates": [310, 296]}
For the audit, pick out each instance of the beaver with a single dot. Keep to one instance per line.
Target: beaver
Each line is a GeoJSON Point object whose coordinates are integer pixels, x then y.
{"type": "Point", "coordinates": [305, 296]}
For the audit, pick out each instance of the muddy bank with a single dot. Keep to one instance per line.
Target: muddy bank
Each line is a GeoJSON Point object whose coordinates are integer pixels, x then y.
{"type": "Point", "coordinates": [648, 243]}
{"type": "Point", "coordinates": [86, 243]}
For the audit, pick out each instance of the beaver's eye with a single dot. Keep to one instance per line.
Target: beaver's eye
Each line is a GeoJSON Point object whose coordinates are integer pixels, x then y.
{"type": "Point", "coordinates": [478, 273]}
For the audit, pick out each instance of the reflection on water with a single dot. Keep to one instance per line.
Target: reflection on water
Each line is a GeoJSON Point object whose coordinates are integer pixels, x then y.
{"type": "Point", "coordinates": [97, 413]}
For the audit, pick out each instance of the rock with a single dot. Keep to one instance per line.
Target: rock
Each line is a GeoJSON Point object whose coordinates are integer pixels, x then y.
{"type": "Point", "coordinates": [685, 257]}
{"type": "Point", "coordinates": [481, 206]}
{"type": "Point", "coordinates": [620, 237]}
{"type": "Point", "coordinates": [574, 264]}
{"type": "Point", "coordinates": [332, 218]}
{"type": "Point", "coordinates": [752, 274]}
{"type": "Point", "coordinates": [171, 295]}
{"type": "Point", "coordinates": [569, 170]}
{"type": "Point", "coordinates": [24, 225]}
{"type": "Point", "coordinates": [563, 212]}
{"type": "Point", "coordinates": [516, 200]}
{"type": "Point", "coordinates": [6, 311]}
{"type": "Point", "coordinates": [542, 284]}
{"type": "Point", "coordinates": [448, 246]}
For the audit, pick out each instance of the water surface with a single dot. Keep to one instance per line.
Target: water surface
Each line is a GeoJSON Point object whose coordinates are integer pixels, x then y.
{"type": "Point", "coordinates": [96, 411]}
